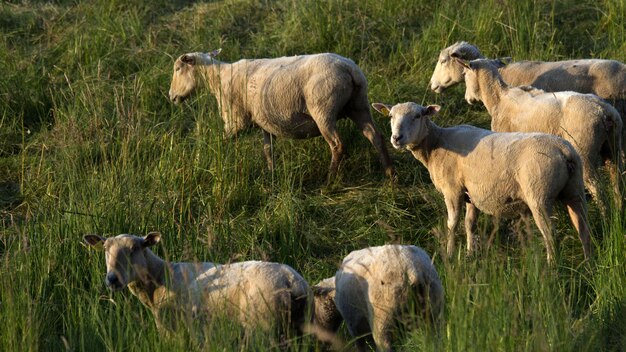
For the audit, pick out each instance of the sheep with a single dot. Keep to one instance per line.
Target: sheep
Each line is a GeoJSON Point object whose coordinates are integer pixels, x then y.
{"type": "Point", "coordinates": [257, 295]}
{"type": "Point", "coordinates": [326, 316]}
{"type": "Point", "coordinates": [378, 289]}
{"type": "Point", "coordinates": [590, 124]}
{"type": "Point", "coordinates": [604, 78]}
{"type": "Point", "coordinates": [293, 97]}
{"type": "Point", "coordinates": [502, 174]}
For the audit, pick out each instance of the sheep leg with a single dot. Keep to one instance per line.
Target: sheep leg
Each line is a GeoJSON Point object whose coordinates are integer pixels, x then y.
{"type": "Point", "coordinates": [330, 134]}
{"type": "Point", "coordinates": [471, 214]}
{"type": "Point", "coordinates": [361, 330]}
{"type": "Point", "coordinates": [578, 214]}
{"type": "Point", "coordinates": [268, 150]}
{"type": "Point", "coordinates": [494, 231]}
{"type": "Point", "coordinates": [615, 170]}
{"type": "Point", "coordinates": [527, 233]}
{"type": "Point", "coordinates": [591, 180]}
{"type": "Point", "coordinates": [363, 120]}
{"type": "Point", "coordinates": [453, 206]}
{"type": "Point", "coordinates": [541, 215]}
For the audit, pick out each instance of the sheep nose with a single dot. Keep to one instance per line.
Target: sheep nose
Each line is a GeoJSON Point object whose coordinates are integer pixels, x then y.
{"type": "Point", "coordinates": [396, 137]}
{"type": "Point", "coordinates": [111, 280]}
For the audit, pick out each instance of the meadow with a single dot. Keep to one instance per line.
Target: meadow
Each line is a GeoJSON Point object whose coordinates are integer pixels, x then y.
{"type": "Point", "coordinates": [89, 143]}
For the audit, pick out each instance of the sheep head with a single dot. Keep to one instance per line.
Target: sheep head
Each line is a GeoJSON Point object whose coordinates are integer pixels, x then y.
{"type": "Point", "coordinates": [408, 123]}
{"type": "Point", "coordinates": [447, 73]}
{"type": "Point", "coordinates": [479, 73]}
{"type": "Point", "coordinates": [125, 257]}
{"type": "Point", "coordinates": [185, 78]}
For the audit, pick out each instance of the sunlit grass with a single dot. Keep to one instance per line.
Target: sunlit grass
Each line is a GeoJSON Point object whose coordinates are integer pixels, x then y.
{"type": "Point", "coordinates": [90, 144]}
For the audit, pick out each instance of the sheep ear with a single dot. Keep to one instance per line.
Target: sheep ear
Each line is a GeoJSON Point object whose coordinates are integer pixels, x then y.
{"type": "Point", "coordinates": [151, 239]}
{"type": "Point", "coordinates": [188, 59]}
{"type": "Point", "coordinates": [216, 52]}
{"type": "Point", "coordinates": [94, 241]}
{"type": "Point", "coordinates": [462, 62]}
{"type": "Point", "coordinates": [382, 108]}
{"type": "Point", "coordinates": [432, 110]}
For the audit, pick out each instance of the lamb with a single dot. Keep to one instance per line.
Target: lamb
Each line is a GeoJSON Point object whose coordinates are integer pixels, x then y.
{"type": "Point", "coordinates": [257, 295]}
{"type": "Point", "coordinates": [293, 97]}
{"type": "Point", "coordinates": [378, 289]}
{"type": "Point", "coordinates": [590, 124]}
{"type": "Point", "coordinates": [604, 78]}
{"type": "Point", "coordinates": [502, 174]}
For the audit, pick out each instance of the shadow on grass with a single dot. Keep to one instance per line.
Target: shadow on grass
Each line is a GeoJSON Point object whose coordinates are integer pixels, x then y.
{"type": "Point", "coordinates": [605, 330]}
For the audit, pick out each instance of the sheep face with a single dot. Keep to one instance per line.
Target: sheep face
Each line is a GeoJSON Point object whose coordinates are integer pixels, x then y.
{"type": "Point", "coordinates": [184, 78]}
{"type": "Point", "coordinates": [446, 73]}
{"type": "Point", "coordinates": [125, 257]}
{"type": "Point", "coordinates": [472, 87]}
{"type": "Point", "coordinates": [408, 127]}
{"type": "Point", "coordinates": [475, 71]}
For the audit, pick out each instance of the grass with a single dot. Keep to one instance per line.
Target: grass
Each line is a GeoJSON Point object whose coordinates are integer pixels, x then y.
{"type": "Point", "coordinates": [90, 144]}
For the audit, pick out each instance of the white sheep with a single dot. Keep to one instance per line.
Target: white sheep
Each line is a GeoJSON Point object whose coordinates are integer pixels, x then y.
{"type": "Point", "coordinates": [502, 174]}
{"type": "Point", "coordinates": [379, 289]}
{"type": "Point", "coordinates": [604, 78]}
{"type": "Point", "coordinates": [592, 126]}
{"type": "Point", "coordinates": [293, 97]}
{"type": "Point", "coordinates": [257, 295]}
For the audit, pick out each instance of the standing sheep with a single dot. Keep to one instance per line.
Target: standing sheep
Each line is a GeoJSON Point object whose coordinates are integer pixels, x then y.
{"type": "Point", "coordinates": [379, 289]}
{"type": "Point", "coordinates": [604, 78]}
{"type": "Point", "coordinates": [292, 97]}
{"type": "Point", "coordinates": [255, 294]}
{"type": "Point", "coordinates": [502, 174]}
{"type": "Point", "coordinates": [592, 126]}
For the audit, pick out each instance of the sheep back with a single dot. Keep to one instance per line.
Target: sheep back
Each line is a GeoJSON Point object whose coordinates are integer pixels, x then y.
{"type": "Point", "coordinates": [515, 168]}
{"type": "Point", "coordinates": [256, 293]}
{"type": "Point", "coordinates": [284, 95]}
{"type": "Point", "coordinates": [604, 78]}
{"type": "Point", "coordinates": [375, 286]}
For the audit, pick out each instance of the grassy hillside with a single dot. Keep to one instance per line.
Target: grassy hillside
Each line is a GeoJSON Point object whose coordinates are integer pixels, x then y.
{"type": "Point", "coordinates": [89, 143]}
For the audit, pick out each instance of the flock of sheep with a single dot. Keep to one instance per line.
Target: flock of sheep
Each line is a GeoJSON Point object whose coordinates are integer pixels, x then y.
{"type": "Point", "coordinates": [552, 129]}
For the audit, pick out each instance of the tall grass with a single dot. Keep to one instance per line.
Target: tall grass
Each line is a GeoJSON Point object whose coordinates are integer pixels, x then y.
{"type": "Point", "coordinates": [90, 144]}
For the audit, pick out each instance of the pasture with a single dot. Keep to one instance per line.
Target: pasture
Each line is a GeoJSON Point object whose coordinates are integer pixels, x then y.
{"type": "Point", "coordinates": [89, 143]}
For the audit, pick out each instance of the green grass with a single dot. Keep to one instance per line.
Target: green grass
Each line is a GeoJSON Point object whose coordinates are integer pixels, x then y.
{"type": "Point", "coordinates": [90, 144]}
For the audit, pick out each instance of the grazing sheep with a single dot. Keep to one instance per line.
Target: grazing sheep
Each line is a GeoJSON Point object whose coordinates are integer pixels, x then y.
{"type": "Point", "coordinates": [255, 294]}
{"type": "Point", "coordinates": [502, 174]}
{"type": "Point", "coordinates": [326, 316]}
{"type": "Point", "coordinates": [381, 288]}
{"type": "Point", "coordinates": [604, 78]}
{"type": "Point", "coordinates": [293, 97]}
{"type": "Point", "coordinates": [592, 126]}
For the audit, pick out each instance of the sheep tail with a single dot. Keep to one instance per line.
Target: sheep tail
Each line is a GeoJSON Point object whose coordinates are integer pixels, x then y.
{"type": "Point", "coordinates": [571, 165]}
